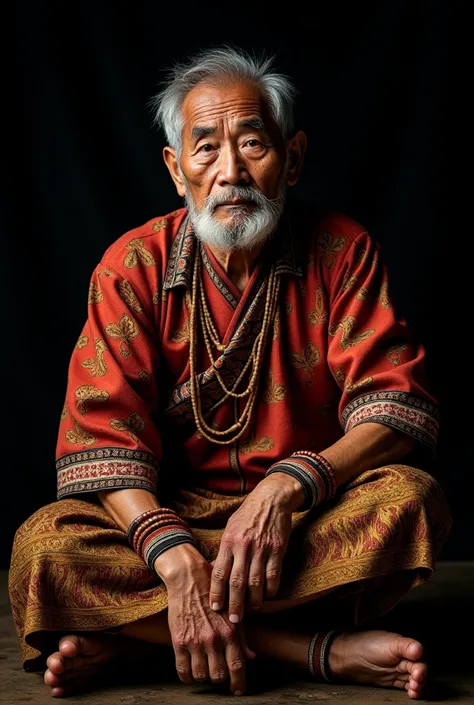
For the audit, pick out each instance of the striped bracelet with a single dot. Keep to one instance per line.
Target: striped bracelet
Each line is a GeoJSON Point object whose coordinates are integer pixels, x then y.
{"type": "Point", "coordinates": [149, 515]}
{"type": "Point", "coordinates": [157, 530]}
{"type": "Point", "coordinates": [162, 540]}
{"type": "Point", "coordinates": [141, 538]}
{"type": "Point", "coordinates": [315, 474]}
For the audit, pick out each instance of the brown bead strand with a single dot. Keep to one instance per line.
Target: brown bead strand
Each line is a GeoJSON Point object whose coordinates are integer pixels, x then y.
{"type": "Point", "coordinates": [146, 522]}
{"type": "Point", "coordinates": [246, 414]}
{"type": "Point", "coordinates": [153, 527]}
{"type": "Point", "coordinates": [159, 511]}
{"type": "Point", "coordinates": [244, 420]}
{"type": "Point", "coordinates": [229, 392]}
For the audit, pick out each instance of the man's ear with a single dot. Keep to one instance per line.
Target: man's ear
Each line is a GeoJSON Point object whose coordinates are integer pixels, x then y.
{"type": "Point", "coordinates": [171, 161]}
{"type": "Point", "coordinates": [296, 149]}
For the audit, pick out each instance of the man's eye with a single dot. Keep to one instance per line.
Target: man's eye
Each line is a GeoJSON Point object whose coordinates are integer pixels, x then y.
{"type": "Point", "coordinates": [253, 143]}
{"type": "Point", "coordinates": [206, 148]}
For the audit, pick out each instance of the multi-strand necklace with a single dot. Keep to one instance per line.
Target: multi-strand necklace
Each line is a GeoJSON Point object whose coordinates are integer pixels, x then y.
{"type": "Point", "coordinates": [201, 317]}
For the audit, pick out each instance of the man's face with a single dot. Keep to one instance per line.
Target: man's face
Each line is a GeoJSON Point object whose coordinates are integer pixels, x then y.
{"type": "Point", "coordinates": [229, 139]}
{"type": "Point", "coordinates": [233, 166]}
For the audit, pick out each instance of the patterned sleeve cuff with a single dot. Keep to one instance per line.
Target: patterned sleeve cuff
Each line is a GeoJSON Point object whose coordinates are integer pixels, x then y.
{"type": "Point", "coordinates": [315, 474]}
{"type": "Point", "coordinates": [412, 415]}
{"type": "Point", "coordinates": [106, 469]}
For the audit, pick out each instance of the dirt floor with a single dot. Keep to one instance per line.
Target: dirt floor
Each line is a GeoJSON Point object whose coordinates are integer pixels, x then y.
{"type": "Point", "coordinates": [438, 614]}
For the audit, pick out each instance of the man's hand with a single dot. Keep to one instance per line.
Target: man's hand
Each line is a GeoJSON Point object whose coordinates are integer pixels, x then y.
{"type": "Point", "coordinates": [206, 644]}
{"type": "Point", "coordinates": [253, 545]}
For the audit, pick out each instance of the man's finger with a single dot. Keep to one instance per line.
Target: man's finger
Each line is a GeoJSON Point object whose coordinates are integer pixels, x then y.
{"type": "Point", "coordinates": [219, 579]}
{"type": "Point", "coordinates": [183, 665]}
{"type": "Point", "coordinates": [238, 582]}
{"type": "Point", "coordinates": [217, 665]}
{"type": "Point", "coordinates": [272, 574]}
{"type": "Point", "coordinates": [256, 581]}
{"type": "Point", "coordinates": [236, 666]}
{"type": "Point", "coordinates": [199, 665]}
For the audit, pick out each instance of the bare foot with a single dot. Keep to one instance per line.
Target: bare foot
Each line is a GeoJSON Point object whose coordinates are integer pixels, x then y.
{"type": "Point", "coordinates": [78, 663]}
{"type": "Point", "coordinates": [379, 658]}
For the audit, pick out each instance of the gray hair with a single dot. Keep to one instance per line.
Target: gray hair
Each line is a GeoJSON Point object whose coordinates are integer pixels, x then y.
{"type": "Point", "coordinates": [213, 66]}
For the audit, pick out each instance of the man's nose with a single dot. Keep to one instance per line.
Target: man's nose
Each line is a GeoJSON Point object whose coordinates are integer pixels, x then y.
{"type": "Point", "coordinates": [232, 168]}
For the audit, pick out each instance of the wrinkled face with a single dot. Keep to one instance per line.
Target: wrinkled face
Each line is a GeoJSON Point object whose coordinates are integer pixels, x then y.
{"type": "Point", "coordinates": [233, 168]}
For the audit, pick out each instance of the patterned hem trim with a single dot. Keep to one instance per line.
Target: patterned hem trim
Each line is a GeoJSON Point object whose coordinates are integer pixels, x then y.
{"type": "Point", "coordinates": [106, 468]}
{"type": "Point", "coordinates": [106, 484]}
{"type": "Point", "coordinates": [412, 415]}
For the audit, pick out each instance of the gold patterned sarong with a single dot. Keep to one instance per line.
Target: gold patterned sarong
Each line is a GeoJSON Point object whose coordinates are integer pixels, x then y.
{"type": "Point", "coordinates": [72, 568]}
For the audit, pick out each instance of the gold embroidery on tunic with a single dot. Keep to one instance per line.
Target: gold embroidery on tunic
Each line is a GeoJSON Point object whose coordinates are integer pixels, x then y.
{"type": "Point", "coordinates": [134, 424]}
{"type": "Point", "coordinates": [125, 331]}
{"type": "Point", "coordinates": [319, 315]}
{"type": "Point", "coordinates": [350, 388]}
{"type": "Point", "coordinates": [329, 247]}
{"type": "Point", "coordinates": [306, 360]}
{"type": "Point", "coordinates": [89, 392]}
{"type": "Point", "coordinates": [252, 445]}
{"type": "Point", "coordinates": [137, 252]}
{"type": "Point", "coordinates": [95, 294]}
{"type": "Point", "coordinates": [349, 282]}
{"type": "Point", "coordinates": [273, 392]}
{"type": "Point", "coordinates": [384, 298]}
{"type": "Point", "coordinates": [362, 294]}
{"type": "Point", "coordinates": [79, 436]}
{"type": "Point", "coordinates": [97, 366]}
{"type": "Point", "coordinates": [159, 225]}
{"type": "Point", "coordinates": [82, 342]}
{"type": "Point", "coordinates": [129, 297]}
{"type": "Point", "coordinates": [347, 325]}
{"type": "Point", "coordinates": [393, 353]}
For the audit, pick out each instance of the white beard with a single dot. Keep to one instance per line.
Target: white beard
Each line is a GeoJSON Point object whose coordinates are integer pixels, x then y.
{"type": "Point", "coordinates": [247, 229]}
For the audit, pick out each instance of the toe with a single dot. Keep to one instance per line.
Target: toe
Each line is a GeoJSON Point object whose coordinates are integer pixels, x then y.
{"type": "Point", "coordinates": [413, 694]}
{"type": "Point", "coordinates": [404, 648]}
{"type": "Point", "coordinates": [69, 646]}
{"type": "Point", "coordinates": [57, 692]}
{"type": "Point", "coordinates": [418, 672]}
{"type": "Point", "coordinates": [55, 663]}
{"type": "Point", "coordinates": [51, 678]}
{"type": "Point", "coordinates": [400, 683]}
{"type": "Point", "coordinates": [413, 650]}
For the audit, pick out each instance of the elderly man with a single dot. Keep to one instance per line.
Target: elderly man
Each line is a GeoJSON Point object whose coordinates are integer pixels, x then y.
{"type": "Point", "coordinates": [238, 405]}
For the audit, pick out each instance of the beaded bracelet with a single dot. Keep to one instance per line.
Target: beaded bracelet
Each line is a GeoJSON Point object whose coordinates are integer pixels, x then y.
{"type": "Point", "coordinates": [315, 474]}
{"type": "Point", "coordinates": [143, 517]}
{"type": "Point", "coordinates": [145, 527]}
{"type": "Point", "coordinates": [157, 530]}
{"type": "Point", "coordinates": [140, 541]}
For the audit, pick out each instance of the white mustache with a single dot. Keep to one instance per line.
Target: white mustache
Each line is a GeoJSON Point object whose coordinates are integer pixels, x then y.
{"type": "Point", "coordinates": [245, 193]}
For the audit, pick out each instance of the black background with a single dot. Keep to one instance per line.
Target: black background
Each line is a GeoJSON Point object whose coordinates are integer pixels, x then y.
{"type": "Point", "coordinates": [83, 165]}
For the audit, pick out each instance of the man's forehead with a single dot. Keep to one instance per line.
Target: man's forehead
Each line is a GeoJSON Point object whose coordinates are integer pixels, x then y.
{"type": "Point", "coordinates": [207, 105]}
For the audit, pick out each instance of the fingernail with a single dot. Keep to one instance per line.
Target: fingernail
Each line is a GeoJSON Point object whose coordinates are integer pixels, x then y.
{"type": "Point", "coordinates": [234, 618]}
{"type": "Point", "coordinates": [238, 692]}
{"type": "Point", "coordinates": [216, 606]}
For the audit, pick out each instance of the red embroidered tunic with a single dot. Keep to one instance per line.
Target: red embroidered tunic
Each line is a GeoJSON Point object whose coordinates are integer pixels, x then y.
{"type": "Point", "coordinates": [338, 355]}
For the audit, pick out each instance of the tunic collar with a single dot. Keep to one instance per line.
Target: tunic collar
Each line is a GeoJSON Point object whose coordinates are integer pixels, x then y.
{"type": "Point", "coordinates": [180, 264]}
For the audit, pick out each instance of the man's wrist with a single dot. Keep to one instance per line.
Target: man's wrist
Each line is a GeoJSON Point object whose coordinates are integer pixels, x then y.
{"type": "Point", "coordinates": [289, 491]}
{"type": "Point", "coordinates": [180, 560]}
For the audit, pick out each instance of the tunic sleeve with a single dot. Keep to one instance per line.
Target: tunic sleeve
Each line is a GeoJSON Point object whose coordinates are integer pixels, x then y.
{"type": "Point", "coordinates": [371, 354]}
{"type": "Point", "coordinates": [106, 438]}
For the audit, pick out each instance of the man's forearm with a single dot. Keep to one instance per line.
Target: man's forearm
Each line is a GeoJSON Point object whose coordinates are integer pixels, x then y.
{"type": "Point", "coordinates": [367, 446]}
{"type": "Point", "coordinates": [125, 505]}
